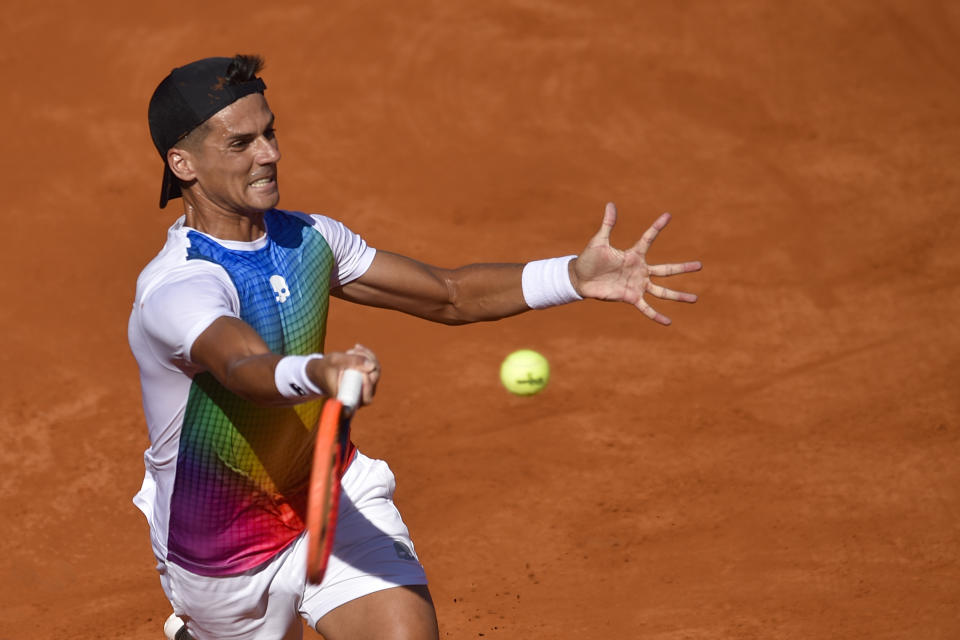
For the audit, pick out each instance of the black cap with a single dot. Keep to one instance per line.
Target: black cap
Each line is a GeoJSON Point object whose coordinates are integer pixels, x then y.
{"type": "Point", "coordinates": [187, 98]}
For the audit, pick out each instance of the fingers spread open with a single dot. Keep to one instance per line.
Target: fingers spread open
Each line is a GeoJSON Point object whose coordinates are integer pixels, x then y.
{"type": "Point", "coordinates": [670, 294]}
{"type": "Point", "coordinates": [609, 220]}
{"type": "Point", "coordinates": [643, 245]}
{"type": "Point", "coordinates": [674, 268]}
{"type": "Point", "coordinates": [652, 313]}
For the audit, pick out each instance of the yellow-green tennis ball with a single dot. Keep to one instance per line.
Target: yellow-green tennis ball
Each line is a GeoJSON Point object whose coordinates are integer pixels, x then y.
{"type": "Point", "coordinates": [524, 372]}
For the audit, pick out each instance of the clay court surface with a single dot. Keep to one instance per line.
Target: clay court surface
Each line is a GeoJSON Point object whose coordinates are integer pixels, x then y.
{"type": "Point", "coordinates": [782, 462]}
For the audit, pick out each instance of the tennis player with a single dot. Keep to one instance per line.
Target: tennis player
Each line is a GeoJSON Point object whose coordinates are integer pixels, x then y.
{"type": "Point", "coordinates": [228, 330]}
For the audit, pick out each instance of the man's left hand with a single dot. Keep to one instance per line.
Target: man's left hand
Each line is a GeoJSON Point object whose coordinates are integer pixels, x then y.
{"type": "Point", "coordinates": [604, 272]}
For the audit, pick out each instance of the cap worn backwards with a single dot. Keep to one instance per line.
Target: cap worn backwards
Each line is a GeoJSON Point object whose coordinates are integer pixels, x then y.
{"type": "Point", "coordinates": [187, 98]}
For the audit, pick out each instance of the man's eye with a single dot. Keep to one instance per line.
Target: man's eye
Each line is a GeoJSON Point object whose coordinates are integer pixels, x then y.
{"type": "Point", "coordinates": [270, 133]}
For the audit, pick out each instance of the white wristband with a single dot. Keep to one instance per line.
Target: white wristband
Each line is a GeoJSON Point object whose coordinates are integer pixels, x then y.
{"type": "Point", "coordinates": [546, 283]}
{"type": "Point", "coordinates": [291, 377]}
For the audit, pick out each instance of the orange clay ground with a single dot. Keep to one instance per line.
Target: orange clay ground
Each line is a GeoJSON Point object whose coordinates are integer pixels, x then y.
{"type": "Point", "coordinates": [782, 462]}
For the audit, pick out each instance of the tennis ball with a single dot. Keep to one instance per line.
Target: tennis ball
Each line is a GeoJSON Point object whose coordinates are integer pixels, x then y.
{"type": "Point", "coordinates": [524, 372]}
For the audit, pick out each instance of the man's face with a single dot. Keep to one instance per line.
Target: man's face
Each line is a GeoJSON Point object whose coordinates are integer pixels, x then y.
{"type": "Point", "coordinates": [236, 163]}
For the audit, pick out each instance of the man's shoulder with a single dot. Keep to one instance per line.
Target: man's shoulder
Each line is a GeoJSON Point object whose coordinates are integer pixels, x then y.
{"type": "Point", "coordinates": [173, 264]}
{"type": "Point", "coordinates": [283, 222]}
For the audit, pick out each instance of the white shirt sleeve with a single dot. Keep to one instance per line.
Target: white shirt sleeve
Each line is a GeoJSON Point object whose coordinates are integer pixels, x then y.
{"type": "Point", "coordinates": [351, 253]}
{"type": "Point", "coordinates": [176, 311]}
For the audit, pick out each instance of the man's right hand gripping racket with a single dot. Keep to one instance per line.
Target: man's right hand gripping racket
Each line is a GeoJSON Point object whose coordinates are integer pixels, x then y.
{"type": "Point", "coordinates": [333, 439]}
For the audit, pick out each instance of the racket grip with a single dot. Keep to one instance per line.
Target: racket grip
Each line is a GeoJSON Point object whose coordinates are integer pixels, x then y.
{"type": "Point", "coordinates": [351, 385]}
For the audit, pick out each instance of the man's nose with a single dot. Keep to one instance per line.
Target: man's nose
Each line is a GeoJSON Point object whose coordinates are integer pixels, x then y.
{"type": "Point", "coordinates": [268, 151]}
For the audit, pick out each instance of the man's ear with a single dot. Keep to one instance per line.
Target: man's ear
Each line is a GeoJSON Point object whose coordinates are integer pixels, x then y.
{"type": "Point", "coordinates": [181, 164]}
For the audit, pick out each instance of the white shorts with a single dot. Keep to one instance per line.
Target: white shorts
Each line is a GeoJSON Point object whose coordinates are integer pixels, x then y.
{"type": "Point", "coordinates": [372, 551]}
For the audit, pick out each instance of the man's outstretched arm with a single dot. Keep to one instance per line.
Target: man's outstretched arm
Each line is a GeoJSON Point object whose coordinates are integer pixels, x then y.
{"type": "Point", "coordinates": [480, 292]}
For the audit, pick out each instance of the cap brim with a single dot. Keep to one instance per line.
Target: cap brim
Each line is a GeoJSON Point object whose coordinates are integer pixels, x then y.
{"type": "Point", "coordinates": [170, 188]}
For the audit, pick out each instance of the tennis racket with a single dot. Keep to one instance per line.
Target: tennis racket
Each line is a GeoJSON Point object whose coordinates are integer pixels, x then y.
{"type": "Point", "coordinates": [333, 438]}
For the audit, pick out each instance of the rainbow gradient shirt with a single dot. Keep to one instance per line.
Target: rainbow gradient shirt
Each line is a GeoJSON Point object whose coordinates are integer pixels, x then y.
{"type": "Point", "coordinates": [226, 480]}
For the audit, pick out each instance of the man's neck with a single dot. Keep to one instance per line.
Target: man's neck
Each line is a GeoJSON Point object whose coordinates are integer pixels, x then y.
{"type": "Point", "coordinates": [225, 225]}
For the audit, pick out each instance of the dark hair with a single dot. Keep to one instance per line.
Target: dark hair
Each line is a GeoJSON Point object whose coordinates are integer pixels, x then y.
{"type": "Point", "coordinates": [243, 68]}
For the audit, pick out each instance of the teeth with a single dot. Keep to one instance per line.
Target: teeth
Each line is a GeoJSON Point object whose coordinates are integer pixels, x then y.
{"type": "Point", "coordinates": [259, 183]}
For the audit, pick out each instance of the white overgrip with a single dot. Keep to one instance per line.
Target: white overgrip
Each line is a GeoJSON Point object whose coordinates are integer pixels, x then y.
{"type": "Point", "coordinates": [351, 385]}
